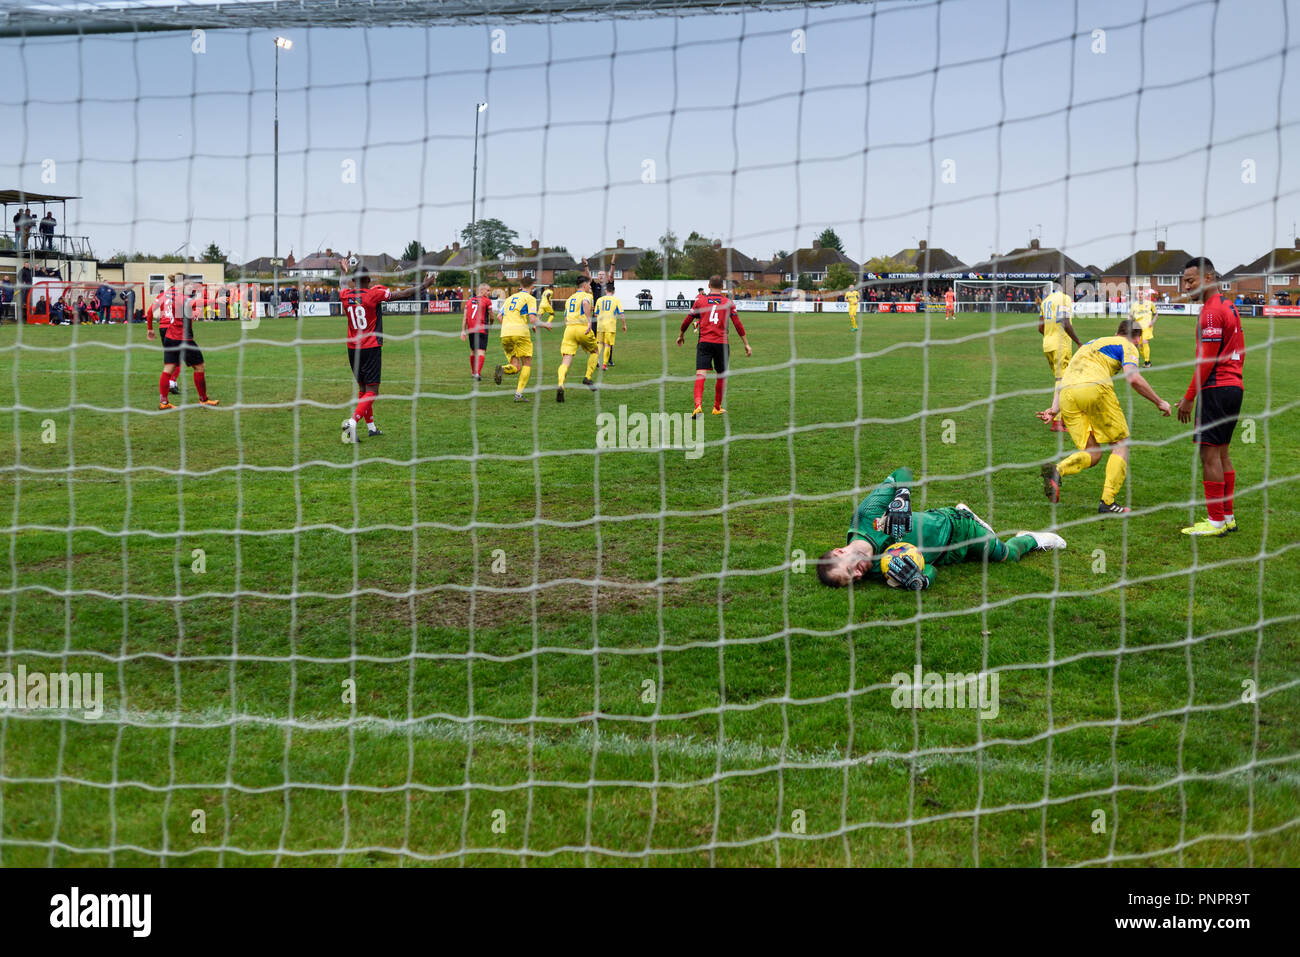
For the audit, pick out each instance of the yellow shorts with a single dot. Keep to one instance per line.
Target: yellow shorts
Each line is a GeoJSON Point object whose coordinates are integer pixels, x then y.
{"type": "Point", "coordinates": [575, 338]}
{"type": "Point", "coordinates": [548, 311]}
{"type": "Point", "coordinates": [1095, 409]}
{"type": "Point", "coordinates": [1058, 359]}
{"type": "Point", "coordinates": [853, 312]}
{"type": "Point", "coordinates": [520, 347]}
{"type": "Point", "coordinates": [1147, 332]}
{"type": "Point", "coordinates": [606, 337]}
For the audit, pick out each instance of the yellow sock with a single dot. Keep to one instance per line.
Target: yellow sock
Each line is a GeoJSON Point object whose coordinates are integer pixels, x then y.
{"type": "Point", "coordinates": [564, 372]}
{"type": "Point", "coordinates": [591, 365]}
{"type": "Point", "coordinates": [1116, 469]}
{"type": "Point", "coordinates": [524, 373]}
{"type": "Point", "coordinates": [1074, 464]}
{"type": "Point", "coordinates": [1146, 351]}
{"type": "Point", "coordinates": [510, 369]}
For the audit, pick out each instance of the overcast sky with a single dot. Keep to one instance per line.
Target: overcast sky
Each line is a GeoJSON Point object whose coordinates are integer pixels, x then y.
{"type": "Point", "coordinates": [1182, 121]}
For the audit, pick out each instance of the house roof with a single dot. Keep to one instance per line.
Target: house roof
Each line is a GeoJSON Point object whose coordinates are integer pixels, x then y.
{"type": "Point", "coordinates": [1029, 259]}
{"type": "Point", "coordinates": [739, 262]}
{"type": "Point", "coordinates": [1281, 260]}
{"type": "Point", "coordinates": [615, 257]}
{"type": "Point", "coordinates": [1150, 262]}
{"type": "Point", "coordinates": [539, 257]}
{"type": "Point", "coordinates": [928, 258]}
{"type": "Point", "coordinates": [811, 259]}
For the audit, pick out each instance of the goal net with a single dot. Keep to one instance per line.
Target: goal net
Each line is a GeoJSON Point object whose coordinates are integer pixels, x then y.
{"type": "Point", "coordinates": [999, 295]}
{"type": "Point", "coordinates": [356, 579]}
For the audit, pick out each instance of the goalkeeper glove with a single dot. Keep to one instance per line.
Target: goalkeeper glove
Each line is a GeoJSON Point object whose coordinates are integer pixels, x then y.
{"type": "Point", "coordinates": [897, 520]}
{"type": "Point", "coordinates": [905, 572]}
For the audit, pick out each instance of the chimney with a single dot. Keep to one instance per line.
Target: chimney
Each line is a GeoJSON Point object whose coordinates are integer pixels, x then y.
{"type": "Point", "coordinates": [329, 252]}
{"type": "Point", "coordinates": [1160, 245]}
{"type": "Point", "coordinates": [1033, 244]}
{"type": "Point", "coordinates": [534, 245]}
{"type": "Point", "coordinates": [455, 247]}
{"type": "Point", "coordinates": [921, 246]}
{"type": "Point", "coordinates": [817, 244]}
{"type": "Point", "coordinates": [717, 244]}
{"type": "Point", "coordinates": [620, 244]}
{"type": "Point", "coordinates": [1297, 246]}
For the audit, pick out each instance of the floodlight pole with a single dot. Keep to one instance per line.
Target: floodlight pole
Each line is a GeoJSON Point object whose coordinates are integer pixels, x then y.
{"type": "Point", "coordinates": [275, 214]}
{"type": "Point", "coordinates": [473, 206]}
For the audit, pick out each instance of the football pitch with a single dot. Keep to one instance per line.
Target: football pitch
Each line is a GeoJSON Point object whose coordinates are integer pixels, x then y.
{"type": "Point", "coordinates": [480, 639]}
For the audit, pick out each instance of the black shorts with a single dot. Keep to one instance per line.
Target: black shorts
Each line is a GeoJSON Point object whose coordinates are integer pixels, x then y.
{"type": "Point", "coordinates": [1216, 415]}
{"type": "Point", "coordinates": [365, 364]}
{"type": "Point", "coordinates": [712, 355]}
{"type": "Point", "coordinates": [176, 351]}
{"type": "Point", "coordinates": [478, 341]}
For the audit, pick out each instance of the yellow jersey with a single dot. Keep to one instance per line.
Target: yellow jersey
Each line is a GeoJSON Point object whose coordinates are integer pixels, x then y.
{"type": "Point", "coordinates": [514, 319]}
{"type": "Point", "coordinates": [608, 310]}
{"type": "Point", "coordinates": [851, 297]}
{"type": "Point", "coordinates": [1143, 313]}
{"type": "Point", "coordinates": [1055, 307]}
{"type": "Point", "coordinates": [547, 307]}
{"type": "Point", "coordinates": [573, 309]}
{"type": "Point", "coordinates": [1097, 361]}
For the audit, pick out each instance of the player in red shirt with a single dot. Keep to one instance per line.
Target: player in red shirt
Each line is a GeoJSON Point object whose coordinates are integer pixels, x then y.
{"type": "Point", "coordinates": [711, 313]}
{"type": "Point", "coordinates": [1216, 390]}
{"type": "Point", "coordinates": [361, 309]}
{"type": "Point", "coordinates": [175, 321]}
{"type": "Point", "coordinates": [949, 299]}
{"type": "Point", "coordinates": [478, 316]}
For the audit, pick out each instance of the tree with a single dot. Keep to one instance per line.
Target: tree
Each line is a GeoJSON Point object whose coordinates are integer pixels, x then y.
{"type": "Point", "coordinates": [568, 278]}
{"type": "Point", "coordinates": [880, 265]}
{"type": "Point", "coordinates": [703, 258]}
{"type": "Point", "coordinates": [672, 253]}
{"type": "Point", "coordinates": [213, 254]}
{"type": "Point", "coordinates": [805, 282]}
{"type": "Point", "coordinates": [839, 276]}
{"type": "Point", "coordinates": [413, 250]}
{"type": "Point", "coordinates": [453, 277]}
{"type": "Point", "coordinates": [780, 254]}
{"type": "Point", "coordinates": [489, 238]}
{"type": "Point", "coordinates": [829, 239]}
{"type": "Point", "coordinates": [650, 265]}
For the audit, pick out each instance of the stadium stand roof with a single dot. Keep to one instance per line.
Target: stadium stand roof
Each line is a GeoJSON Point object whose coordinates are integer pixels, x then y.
{"type": "Point", "coordinates": [12, 197]}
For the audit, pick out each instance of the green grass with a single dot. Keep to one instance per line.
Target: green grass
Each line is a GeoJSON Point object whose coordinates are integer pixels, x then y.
{"type": "Point", "coordinates": [521, 689]}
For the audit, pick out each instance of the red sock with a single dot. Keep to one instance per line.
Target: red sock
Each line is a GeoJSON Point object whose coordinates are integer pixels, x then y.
{"type": "Point", "coordinates": [699, 390]}
{"type": "Point", "coordinates": [1214, 499]}
{"type": "Point", "coordinates": [473, 364]}
{"type": "Point", "coordinates": [363, 407]}
{"type": "Point", "coordinates": [201, 386]}
{"type": "Point", "coordinates": [1229, 485]}
{"type": "Point", "coordinates": [479, 369]}
{"type": "Point", "coordinates": [163, 381]}
{"type": "Point", "coordinates": [718, 388]}
{"type": "Point", "coordinates": [175, 372]}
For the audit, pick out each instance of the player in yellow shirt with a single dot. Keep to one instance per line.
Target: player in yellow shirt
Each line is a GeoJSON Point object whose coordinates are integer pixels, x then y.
{"type": "Point", "coordinates": [1054, 314]}
{"type": "Point", "coordinates": [579, 333]}
{"type": "Point", "coordinates": [518, 319]}
{"type": "Point", "coordinates": [546, 307]}
{"type": "Point", "coordinates": [609, 310]}
{"type": "Point", "coordinates": [1088, 406]}
{"type": "Point", "coordinates": [1143, 313]}
{"type": "Point", "coordinates": [851, 297]}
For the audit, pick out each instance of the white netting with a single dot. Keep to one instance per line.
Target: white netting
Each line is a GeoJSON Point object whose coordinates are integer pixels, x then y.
{"type": "Point", "coordinates": [527, 632]}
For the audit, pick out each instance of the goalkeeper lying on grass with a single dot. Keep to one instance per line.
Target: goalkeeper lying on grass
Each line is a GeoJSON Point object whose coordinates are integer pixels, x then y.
{"type": "Point", "coordinates": [943, 536]}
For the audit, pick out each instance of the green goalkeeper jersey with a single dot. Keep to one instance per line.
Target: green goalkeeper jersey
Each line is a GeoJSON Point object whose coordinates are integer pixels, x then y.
{"type": "Point", "coordinates": [944, 536]}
